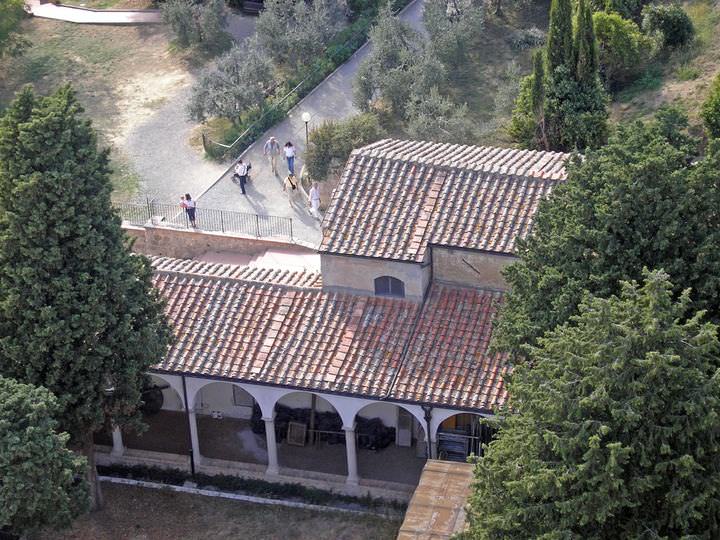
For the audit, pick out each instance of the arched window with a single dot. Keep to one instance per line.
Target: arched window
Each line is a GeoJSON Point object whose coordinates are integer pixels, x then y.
{"type": "Point", "coordinates": [389, 286]}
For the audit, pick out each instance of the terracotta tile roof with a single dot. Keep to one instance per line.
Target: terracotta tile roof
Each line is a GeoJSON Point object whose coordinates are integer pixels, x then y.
{"type": "Point", "coordinates": [397, 197]}
{"type": "Point", "coordinates": [334, 342]}
{"type": "Point", "coordinates": [447, 362]}
{"type": "Point", "coordinates": [278, 276]}
{"type": "Point", "coordinates": [282, 335]}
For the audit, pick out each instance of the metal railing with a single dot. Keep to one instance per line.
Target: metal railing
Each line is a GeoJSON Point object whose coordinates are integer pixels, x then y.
{"type": "Point", "coordinates": [206, 219]}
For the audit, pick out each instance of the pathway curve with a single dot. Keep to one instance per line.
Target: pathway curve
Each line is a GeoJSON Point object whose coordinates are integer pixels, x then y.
{"type": "Point", "coordinates": [82, 15]}
{"type": "Point", "coordinates": [332, 99]}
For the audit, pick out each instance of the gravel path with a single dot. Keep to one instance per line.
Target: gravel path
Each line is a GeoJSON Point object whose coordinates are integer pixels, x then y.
{"type": "Point", "coordinates": [159, 150]}
{"type": "Point", "coordinates": [332, 99]}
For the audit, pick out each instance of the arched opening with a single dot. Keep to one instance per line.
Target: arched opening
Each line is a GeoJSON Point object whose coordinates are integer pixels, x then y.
{"type": "Point", "coordinates": [229, 423]}
{"type": "Point", "coordinates": [309, 433]}
{"type": "Point", "coordinates": [389, 286]}
{"type": "Point", "coordinates": [391, 444]}
{"type": "Point", "coordinates": [462, 434]}
{"type": "Point", "coordinates": [164, 415]}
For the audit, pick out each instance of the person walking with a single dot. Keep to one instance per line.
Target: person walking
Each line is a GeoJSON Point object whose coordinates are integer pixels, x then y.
{"type": "Point", "coordinates": [290, 157]}
{"type": "Point", "coordinates": [290, 187]}
{"type": "Point", "coordinates": [314, 200]}
{"type": "Point", "coordinates": [240, 175]}
{"type": "Point", "coordinates": [189, 205]}
{"type": "Point", "coordinates": [272, 150]}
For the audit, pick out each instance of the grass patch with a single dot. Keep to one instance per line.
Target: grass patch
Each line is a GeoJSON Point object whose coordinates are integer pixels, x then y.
{"type": "Point", "coordinates": [132, 512]}
{"type": "Point", "coordinates": [652, 79]}
{"type": "Point", "coordinates": [687, 72]}
{"type": "Point", "coordinates": [705, 19]}
{"type": "Point", "coordinates": [124, 179]}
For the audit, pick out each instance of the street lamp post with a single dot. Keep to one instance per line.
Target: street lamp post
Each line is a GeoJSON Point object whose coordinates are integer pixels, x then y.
{"type": "Point", "coordinates": [306, 118]}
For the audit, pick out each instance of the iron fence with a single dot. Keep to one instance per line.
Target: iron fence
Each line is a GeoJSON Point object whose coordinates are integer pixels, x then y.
{"type": "Point", "coordinates": [207, 219]}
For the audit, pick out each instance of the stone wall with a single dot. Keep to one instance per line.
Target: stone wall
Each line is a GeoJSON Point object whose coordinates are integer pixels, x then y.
{"type": "Point", "coordinates": [357, 275]}
{"type": "Point", "coordinates": [188, 243]}
{"type": "Point", "coordinates": [473, 268]}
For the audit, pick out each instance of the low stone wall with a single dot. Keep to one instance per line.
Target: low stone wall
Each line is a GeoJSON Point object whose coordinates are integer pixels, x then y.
{"type": "Point", "coordinates": [188, 243]}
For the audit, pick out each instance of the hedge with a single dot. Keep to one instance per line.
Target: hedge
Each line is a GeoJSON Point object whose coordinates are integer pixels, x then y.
{"type": "Point", "coordinates": [338, 51]}
{"type": "Point", "coordinates": [246, 486]}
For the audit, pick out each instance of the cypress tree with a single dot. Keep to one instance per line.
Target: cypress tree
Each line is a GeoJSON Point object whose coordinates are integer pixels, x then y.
{"type": "Point", "coordinates": [538, 83]}
{"type": "Point", "coordinates": [78, 314]}
{"type": "Point", "coordinates": [560, 35]}
{"type": "Point", "coordinates": [585, 46]}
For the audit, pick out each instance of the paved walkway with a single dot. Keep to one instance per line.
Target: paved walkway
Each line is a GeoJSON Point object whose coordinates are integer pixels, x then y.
{"type": "Point", "coordinates": [332, 99]}
{"type": "Point", "coordinates": [81, 15]}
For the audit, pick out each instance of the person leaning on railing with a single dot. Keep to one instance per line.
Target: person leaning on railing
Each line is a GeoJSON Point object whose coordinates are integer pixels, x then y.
{"type": "Point", "coordinates": [189, 205]}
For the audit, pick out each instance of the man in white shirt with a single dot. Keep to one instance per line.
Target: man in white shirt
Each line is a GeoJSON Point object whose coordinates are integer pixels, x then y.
{"type": "Point", "coordinates": [272, 150]}
{"type": "Point", "coordinates": [241, 171]}
{"type": "Point", "coordinates": [314, 197]}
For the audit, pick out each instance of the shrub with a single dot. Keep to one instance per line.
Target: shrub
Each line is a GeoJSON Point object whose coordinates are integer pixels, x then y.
{"type": "Point", "coordinates": [711, 110]}
{"type": "Point", "coordinates": [434, 117]}
{"type": "Point", "coordinates": [670, 23]}
{"type": "Point", "coordinates": [623, 50]}
{"type": "Point", "coordinates": [195, 24]}
{"type": "Point", "coordinates": [526, 38]}
{"type": "Point", "coordinates": [331, 143]}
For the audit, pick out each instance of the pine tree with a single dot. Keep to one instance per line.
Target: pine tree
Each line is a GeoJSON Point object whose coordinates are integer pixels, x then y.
{"type": "Point", "coordinates": [585, 47]}
{"type": "Point", "coordinates": [78, 314]}
{"type": "Point", "coordinates": [559, 49]}
{"type": "Point", "coordinates": [614, 431]}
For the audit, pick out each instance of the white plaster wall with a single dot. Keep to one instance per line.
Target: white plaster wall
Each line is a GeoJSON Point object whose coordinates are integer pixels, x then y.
{"type": "Point", "coordinates": [303, 400]}
{"type": "Point", "coordinates": [472, 268]}
{"type": "Point", "coordinates": [386, 412]}
{"type": "Point", "coordinates": [357, 275]}
{"type": "Point", "coordinates": [219, 397]}
{"type": "Point", "coordinates": [171, 400]}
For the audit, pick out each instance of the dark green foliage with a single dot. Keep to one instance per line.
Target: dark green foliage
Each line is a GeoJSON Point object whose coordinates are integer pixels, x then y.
{"type": "Point", "coordinates": [563, 105]}
{"type": "Point", "coordinates": [614, 431]}
{"type": "Point", "coordinates": [11, 41]}
{"type": "Point", "coordinates": [332, 142]}
{"type": "Point", "coordinates": [629, 9]}
{"type": "Point", "coordinates": [584, 46]}
{"type": "Point", "coordinates": [623, 49]}
{"type": "Point", "coordinates": [248, 486]}
{"type": "Point", "coordinates": [670, 22]}
{"type": "Point", "coordinates": [711, 110]}
{"type": "Point", "coordinates": [39, 484]}
{"type": "Point", "coordinates": [78, 313]}
{"type": "Point", "coordinates": [431, 116]}
{"type": "Point", "coordinates": [637, 202]}
{"type": "Point", "coordinates": [559, 49]}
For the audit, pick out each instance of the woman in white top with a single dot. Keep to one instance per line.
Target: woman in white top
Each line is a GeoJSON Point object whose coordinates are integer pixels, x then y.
{"type": "Point", "coordinates": [290, 156]}
{"type": "Point", "coordinates": [189, 205]}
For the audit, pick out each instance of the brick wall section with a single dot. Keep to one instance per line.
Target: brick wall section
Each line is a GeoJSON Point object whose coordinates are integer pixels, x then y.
{"type": "Point", "coordinates": [357, 275]}
{"type": "Point", "coordinates": [470, 267]}
{"type": "Point", "coordinates": [186, 244]}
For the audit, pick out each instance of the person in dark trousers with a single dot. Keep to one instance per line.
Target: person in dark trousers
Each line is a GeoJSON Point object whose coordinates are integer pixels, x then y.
{"type": "Point", "coordinates": [241, 172]}
{"type": "Point", "coordinates": [189, 205]}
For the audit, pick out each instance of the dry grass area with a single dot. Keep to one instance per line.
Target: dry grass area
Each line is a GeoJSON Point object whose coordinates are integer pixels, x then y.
{"type": "Point", "coordinates": [684, 78]}
{"type": "Point", "coordinates": [122, 75]}
{"type": "Point", "coordinates": [133, 513]}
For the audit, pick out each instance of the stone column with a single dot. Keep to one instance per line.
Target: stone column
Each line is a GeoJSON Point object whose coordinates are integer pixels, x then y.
{"type": "Point", "coordinates": [118, 448]}
{"type": "Point", "coordinates": [350, 447]}
{"type": "Point", "coordinates": [192, 421]}
{"type": "Point", "coordinates": [273, 467]}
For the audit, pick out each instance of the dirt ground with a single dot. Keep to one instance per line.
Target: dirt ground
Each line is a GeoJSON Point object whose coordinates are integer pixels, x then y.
{"type": "Point", "coordinates": [682, 79]}
{"type": "Point", "coordinates": [121, 74]}
{"type": "Point", "coordinates": [133, 513]}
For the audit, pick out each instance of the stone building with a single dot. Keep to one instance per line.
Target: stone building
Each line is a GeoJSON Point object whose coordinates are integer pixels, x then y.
{"type": "Point", "coordinates": [347, 366]}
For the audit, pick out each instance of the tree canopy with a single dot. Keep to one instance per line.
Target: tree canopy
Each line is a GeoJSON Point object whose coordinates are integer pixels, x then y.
{"type": "Point", "coordinates": [78, 313]}
{"type": "Point", "coordinates": [614, 431]}
{"type": "Point", "coordinates": [638, 202]}
{"type": "Point", "coordinates": [40, 479]}
{"type": "Point", "coordinates": [11, 41]}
